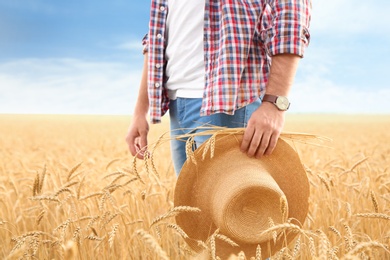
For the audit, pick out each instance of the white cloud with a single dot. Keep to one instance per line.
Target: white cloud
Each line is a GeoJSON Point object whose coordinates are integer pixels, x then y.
{"type": "Point", "coordinates": [316, 94]}
{"type": "Point", "coordinates": [80, 86]}
{"type": "Point", "coordinates": [74, 86]}
{"type": "Point", "coordinates": [351, 16]}
{"type": "Point", "coordinates": [67, 86]}
{"type": "Point", "coordinates": [133, 45]}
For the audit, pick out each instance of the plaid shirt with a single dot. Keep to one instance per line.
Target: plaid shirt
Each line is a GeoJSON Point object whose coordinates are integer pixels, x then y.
{"type": "Point", "coordinates": [240, 36]}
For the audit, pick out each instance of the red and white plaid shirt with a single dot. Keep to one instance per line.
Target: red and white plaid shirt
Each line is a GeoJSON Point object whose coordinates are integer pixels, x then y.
{"type": "Point", "coordinates": [240, 37]}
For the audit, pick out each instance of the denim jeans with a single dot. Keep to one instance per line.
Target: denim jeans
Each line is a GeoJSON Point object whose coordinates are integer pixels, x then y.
{"type": "Point", "coordinates": [185, 116]}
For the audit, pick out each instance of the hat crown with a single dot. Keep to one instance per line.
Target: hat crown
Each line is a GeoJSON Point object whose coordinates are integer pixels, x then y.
{"type": "Point", "coordinates": [244, 200]}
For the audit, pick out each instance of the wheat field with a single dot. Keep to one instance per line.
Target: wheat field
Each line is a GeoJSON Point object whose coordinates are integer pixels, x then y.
{"type": "Point", "coordinates": [69, 189]}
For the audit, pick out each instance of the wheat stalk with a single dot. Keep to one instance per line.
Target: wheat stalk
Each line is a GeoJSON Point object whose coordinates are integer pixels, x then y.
{"type": "Point", "coordinates": [348, 209]}
{"type": "Point", "coordinates": [146, 164]}
{"type": "Point", "coordinates": [112, 162]}
{"type": "Point", "coordinates": [112, 234]}
{"type": "Point", "coordinates": [312, 248]}
{"type": "Point", "coordinates": [374, 215]}
{"type": "Point", "coordinates": [42, 178]}
{"type": "Point", "coordinates": [129, 181]}
{"type": "Point", "coordinates": [92, 195]}
{"type": "Point", "coordinates": [365, 246]}
{"type": "Point", "coordinates": [213, 245]}
{"type": "Point", "coordinates": [210, 130]}
{"type": "Point", "coordinates": [45, 197]}
{"type": "Point", "coordinates": [226, 240]}
{"type": "Point", "coordinates": [284, 207]}
{"type": "Point", "coordinates": [334, 230]}
{"type": "Point", "coordinates": [212, 145]}
{"type": "Point", "coordinates": [110, 219]}
{"type": "Point", "coordinates": [174, 212]}
{"type": "Point", "coordinates": [297, 247]}
{"type": "Point", "coordinates": [40, 217]}
{"type": "Point", "coordinates": [349, 243]}
{"type": "Point", "coordinates": [36, 185]}
{"type": "Point", "coordinates": [324, 245]}
{"type": "Point", "coordinates": [258, 253]}
{"type": "Point", "coordinates": [374, 201]}
{"type": "Point", "coordinates": [73, 170]}
{"type": "Point", "coordinates": [92, 221]}
{"type": "Point", "coordinates": [324, 182]}
{"type": "Point", "coordinates": [77, 235]}
{"type": "Point", "coordinates": [117, 178]}
{"type": "Point", "coordinates": [178, 230]}
{"type": "Point", "coordinates": [206, 148]}
{"type": "Point", "coordinates": [158, 231]}
{"type": "Point", "coordinates": [358, 163]}
{"type": "Point", "coordinates": [64, 227]}
{"type": "Point", "coordinates": [189, 149]}
{"type": "Point", "coordinates": [94, 231]}
{"type": "Point", "coordinates": [79, 187]}
{"type": "Point", "coordinates": [271, 225]}
{"type": "Point", "coordinates": [333, 253]}
{"type": "Point", "coordinates": [156, 144]}
{"type": "Point", "coordinates": [94, 238]}
{"type": "Point", "coordinates": [20, 240]}
{"type": "Point", "coordinates": [63, 190]}
{"type": "Point", "coordinates": [241, 256]}
{"type": "Point", "coordinates": [135, 171]}
{"type": "Point", "coordinates": [152, 244]}
{"type": "Point", "coordinates": [280, 228]}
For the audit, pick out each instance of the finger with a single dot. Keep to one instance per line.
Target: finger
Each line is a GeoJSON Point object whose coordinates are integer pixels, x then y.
{"type": "Point", "coordinates": [264, 144]}
{"type": "Point", "coordinates": [254, 145]}
{"type": "Point", "coordinates": [246, 139]}
{"type": "Point", "coordinates": [143, 141]}
{"type": "Point", "coordinates": [272, 144]}
{"type": "Point", "coordinates": [130, 140]}
{"type": "Point", "coordinates": [139, 148]}
{"type": "Point", "coordinates": [142, 144]}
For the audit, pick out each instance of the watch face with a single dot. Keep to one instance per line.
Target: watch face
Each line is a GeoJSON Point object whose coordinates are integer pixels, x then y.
{"type": "Point", "coordinates": [282, 103]}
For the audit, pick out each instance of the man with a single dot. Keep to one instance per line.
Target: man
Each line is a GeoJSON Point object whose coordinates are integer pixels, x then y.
{"type": "Point", "coordinates": [227, 63]}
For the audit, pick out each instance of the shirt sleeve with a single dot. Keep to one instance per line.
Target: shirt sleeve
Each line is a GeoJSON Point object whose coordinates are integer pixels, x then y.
{"type": "Point", "coordinates": [145, 44]}
{"type": "Point", "coordinates": [286, 26]}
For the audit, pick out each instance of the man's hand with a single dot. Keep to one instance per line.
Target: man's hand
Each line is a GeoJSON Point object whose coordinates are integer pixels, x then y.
{"type": "Point", "coordinates": [263, 130]}
{"type": "Point", "coordinates": [266, 123]}
{"type": "Point", "coordinates": [137, 136]}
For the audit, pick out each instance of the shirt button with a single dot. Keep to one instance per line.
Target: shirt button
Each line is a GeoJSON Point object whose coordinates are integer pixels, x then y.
{"type": "Point", "coordinates": [159, 36]}
{"type": "Point", "coordinates": [157, 85]}
{"type": "Point", "coordinates": [158, 66]}
{"type": "Point", "coordinates": [162, 8]}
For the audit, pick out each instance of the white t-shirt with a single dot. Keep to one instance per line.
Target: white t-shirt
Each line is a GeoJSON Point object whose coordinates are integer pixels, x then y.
{"type": "Point", "coordinates": [184, 33]}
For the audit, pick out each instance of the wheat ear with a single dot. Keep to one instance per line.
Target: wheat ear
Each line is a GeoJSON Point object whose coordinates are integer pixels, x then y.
{"type": "Point", "coordinates": [151, 242]}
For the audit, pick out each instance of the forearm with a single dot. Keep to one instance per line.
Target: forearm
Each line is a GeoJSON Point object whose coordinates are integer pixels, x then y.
{"type": "Point", "coordinates": [137, 134]}
{"type": "Point", "coordinates": [142, 105]}
{"type": "Point", "coordinates": [282, 74]}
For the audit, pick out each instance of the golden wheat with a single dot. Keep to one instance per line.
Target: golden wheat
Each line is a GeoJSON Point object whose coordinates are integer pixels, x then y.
{"type": "Point", "coordinates": [69, 189]}
{"type": "Point", "coordinates": [374, 215]}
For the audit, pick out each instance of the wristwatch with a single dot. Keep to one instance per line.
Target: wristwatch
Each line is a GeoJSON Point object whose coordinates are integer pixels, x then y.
{"type": "Point", "coordinates": [280, 102]}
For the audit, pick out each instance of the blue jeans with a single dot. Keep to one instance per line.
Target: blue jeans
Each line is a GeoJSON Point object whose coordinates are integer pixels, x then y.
{"type": "Point", "coordinates": [185, 116]}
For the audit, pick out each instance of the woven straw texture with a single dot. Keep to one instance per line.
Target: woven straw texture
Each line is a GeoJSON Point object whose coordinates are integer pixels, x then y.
{"type": "Point", "coordinates": [239, 195]}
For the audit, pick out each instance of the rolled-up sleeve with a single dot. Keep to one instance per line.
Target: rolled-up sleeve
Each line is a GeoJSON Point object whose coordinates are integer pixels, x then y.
{"type": "Point", "coordinates": [145, 44]}
{"type": "Point", "coordinates": [286, 26]}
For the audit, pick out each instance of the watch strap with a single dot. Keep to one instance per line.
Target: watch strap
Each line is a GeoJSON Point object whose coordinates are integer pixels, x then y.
{"type": "Point", "coordinates": [270, 98]}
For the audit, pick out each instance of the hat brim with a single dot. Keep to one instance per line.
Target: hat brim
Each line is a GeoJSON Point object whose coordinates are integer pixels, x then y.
{"type": "Point", "coordinates": [195, 180]}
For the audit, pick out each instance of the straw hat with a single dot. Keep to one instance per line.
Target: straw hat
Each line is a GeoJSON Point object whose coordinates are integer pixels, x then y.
{"type": "Point", "coordinates": [238, 195]}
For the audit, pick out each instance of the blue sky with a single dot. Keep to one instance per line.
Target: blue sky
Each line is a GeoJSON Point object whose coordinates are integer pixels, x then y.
{"type": "Point", "coordinates": [84, 57]}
